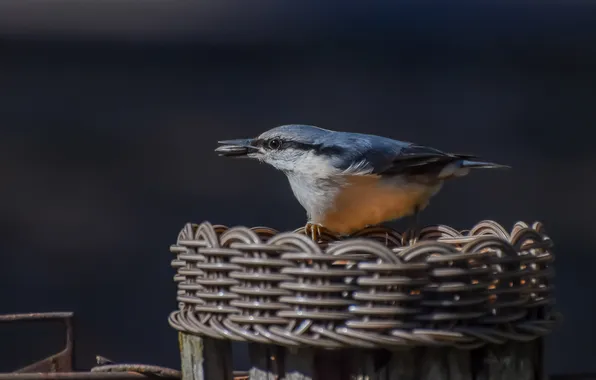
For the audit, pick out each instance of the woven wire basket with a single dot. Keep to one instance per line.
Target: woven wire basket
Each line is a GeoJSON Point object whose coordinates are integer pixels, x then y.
{"type": "Point", "coordinates": [375, 289]}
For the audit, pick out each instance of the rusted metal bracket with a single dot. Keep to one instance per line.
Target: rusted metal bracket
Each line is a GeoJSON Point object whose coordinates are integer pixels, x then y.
{"type": "Point", "coordinates": [60, 362]}
{"type": "Point", "coordinates": [60, 365]}
{"type": "Point", "coordinates": [143, 369]}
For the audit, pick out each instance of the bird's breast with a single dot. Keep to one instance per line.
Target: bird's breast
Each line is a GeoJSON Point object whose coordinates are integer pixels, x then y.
{"type": "Point", "coordinates": [369, 200]}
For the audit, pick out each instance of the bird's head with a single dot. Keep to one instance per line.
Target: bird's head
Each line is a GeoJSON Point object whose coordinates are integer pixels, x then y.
{"type": "Point", "coordinates": [289, 148]}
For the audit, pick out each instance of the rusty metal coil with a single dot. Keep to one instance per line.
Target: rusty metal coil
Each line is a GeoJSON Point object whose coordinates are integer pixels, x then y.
{"type": "Point", "coordinates": [375, 289]}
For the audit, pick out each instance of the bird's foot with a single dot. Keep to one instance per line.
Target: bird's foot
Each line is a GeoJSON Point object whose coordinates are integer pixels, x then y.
{"type": "Point", "coordinates": [314, 231]}
{"type": "Point", "coordinates": [411, 235]}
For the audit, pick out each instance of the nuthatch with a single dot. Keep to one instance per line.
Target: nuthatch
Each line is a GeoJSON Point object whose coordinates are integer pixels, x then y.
{"type": "Point", "coordinates": [347, 181]}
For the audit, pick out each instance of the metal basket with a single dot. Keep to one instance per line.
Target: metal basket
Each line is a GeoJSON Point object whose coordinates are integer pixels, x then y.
{"type": "Point", "coordinates": [375, 289]}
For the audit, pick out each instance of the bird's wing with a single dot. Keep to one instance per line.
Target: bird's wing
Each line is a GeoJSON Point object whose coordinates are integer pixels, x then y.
{"type": "Point", "coordinates": [417, 159]}
{"type": "Point", "coordinates": [375, 155]}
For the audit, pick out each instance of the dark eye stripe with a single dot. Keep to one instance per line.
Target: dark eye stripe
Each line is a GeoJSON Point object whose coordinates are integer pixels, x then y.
{"type": "Point", "coordinates": [289, 144]}
{"type": "Point", "coordinates": [298, 145]}
{"type": "Point", "coordinates": [264, 143]}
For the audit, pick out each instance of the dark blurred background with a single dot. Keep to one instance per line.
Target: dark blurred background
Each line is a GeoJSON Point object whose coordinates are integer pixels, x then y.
{"type": "Point", "coordinates": [110, 111]}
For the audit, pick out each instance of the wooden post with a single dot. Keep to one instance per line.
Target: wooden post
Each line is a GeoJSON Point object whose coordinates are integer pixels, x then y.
{"type": "Point", "coordinates": [518, 361]}
{"type": "Point", "coordinates": [205, 358]}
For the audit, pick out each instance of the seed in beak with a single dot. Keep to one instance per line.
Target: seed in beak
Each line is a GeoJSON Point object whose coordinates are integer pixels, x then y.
{"type": "Point", "coordinates": [232, 150]}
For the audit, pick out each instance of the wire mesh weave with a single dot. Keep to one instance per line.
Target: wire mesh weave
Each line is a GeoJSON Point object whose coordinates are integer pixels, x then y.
{"type": "Point", "coordinates": [374, 289]}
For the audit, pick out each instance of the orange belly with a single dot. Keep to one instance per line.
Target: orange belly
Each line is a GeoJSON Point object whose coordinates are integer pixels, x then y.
{"type": "Point", "coordinates": [365, 200]}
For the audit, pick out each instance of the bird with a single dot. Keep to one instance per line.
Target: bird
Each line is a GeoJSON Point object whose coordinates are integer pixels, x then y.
{"type": "Point", "coordinates": [348, 181]}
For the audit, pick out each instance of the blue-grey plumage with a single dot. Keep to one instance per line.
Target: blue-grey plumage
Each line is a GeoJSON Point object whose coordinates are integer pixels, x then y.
{"type": "Point", "coordinates": [347, 181]}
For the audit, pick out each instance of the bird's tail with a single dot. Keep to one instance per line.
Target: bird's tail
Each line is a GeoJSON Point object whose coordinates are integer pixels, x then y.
{"type": "Point", "coordinates": [482, 165]}
{"type": "Point", "coordinates": [462, 167]}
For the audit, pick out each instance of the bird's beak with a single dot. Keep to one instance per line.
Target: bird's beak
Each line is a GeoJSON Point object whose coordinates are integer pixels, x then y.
{"type": "Point", "coordinates": [236, 148]}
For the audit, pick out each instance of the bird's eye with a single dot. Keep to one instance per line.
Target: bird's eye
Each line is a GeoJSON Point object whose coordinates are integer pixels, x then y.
{"type": "Point", "coordinates": [274, 144]}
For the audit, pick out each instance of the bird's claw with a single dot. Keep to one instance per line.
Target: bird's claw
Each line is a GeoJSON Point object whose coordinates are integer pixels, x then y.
{"type": "Point", "coordinates": [314, 231]}
{"type": "Point", "coordinates": [411, 235]}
